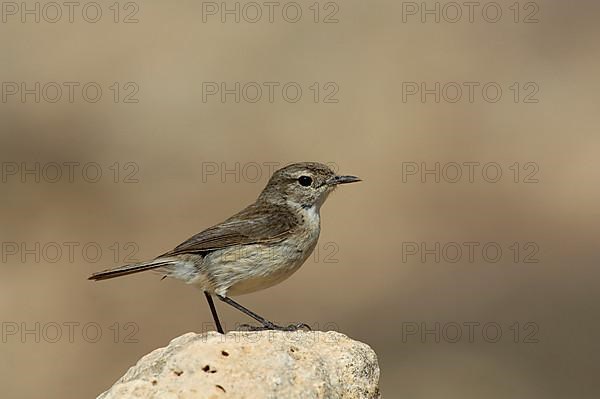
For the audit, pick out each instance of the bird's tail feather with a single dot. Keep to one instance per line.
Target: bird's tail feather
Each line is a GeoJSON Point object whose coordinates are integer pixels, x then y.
{"type": "Point", "coordinates": [130, 269]}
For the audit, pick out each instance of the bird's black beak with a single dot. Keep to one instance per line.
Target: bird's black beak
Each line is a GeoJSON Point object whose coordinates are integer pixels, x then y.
{"type": "Point", "coordinates": [335, 180]}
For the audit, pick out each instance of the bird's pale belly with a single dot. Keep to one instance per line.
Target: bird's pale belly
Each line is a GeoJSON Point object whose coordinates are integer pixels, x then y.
{"type": "Point", "coordinates": [249, 268]}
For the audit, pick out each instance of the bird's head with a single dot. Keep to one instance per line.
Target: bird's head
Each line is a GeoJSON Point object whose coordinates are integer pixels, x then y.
{"type": "Point", "coordinates": [304, 184]}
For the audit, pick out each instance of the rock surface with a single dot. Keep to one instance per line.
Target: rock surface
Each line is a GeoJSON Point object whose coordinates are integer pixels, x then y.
{"type": "Point", "coordinates": [266, 364]}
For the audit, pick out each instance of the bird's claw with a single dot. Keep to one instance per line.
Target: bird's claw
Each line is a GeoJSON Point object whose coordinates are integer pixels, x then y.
{"type": "Point", "coordinates": [275, 327]}
{"type": "Point", "coordinates": [249, 327]}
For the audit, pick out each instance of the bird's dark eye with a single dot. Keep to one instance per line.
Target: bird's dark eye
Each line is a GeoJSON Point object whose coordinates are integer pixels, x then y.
{"type": "Point", "coordinates": [305, 181]}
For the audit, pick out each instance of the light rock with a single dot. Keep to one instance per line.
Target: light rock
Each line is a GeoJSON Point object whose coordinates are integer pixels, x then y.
{"type": "Point", "coordinates": [261, 365]}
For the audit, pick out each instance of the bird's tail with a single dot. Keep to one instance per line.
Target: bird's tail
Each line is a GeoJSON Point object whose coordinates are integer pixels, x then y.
{"type": "Point", "coordinates": [130, 269]}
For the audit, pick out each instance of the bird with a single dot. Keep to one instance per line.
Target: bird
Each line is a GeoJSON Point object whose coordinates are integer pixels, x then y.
{"type": "Point", "coordinates": [256, 248]}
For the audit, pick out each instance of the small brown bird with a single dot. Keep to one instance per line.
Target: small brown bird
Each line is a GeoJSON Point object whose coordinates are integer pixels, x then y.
{"type": "Point", "coordinates": [256, 248]}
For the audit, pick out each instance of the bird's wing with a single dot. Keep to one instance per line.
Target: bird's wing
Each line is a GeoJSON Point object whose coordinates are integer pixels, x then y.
{"type": "Point", "coordinates": [255, 224]}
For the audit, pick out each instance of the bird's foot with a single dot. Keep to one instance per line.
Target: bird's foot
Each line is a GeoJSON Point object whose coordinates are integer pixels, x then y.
{"type": "Point", "coordinates": [275, 327]}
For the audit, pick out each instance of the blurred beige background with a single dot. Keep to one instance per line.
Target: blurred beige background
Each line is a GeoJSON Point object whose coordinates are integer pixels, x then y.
{"type": "Point", "coordinates": [168, 144]}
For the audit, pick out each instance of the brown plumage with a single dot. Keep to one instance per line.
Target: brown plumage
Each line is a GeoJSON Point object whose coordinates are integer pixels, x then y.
{"type": "Point", "coordinates": [260, 246]}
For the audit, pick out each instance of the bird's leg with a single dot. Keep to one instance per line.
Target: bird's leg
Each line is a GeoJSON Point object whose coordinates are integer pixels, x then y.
{"type": "Point", "coordinates": [266, 324]}
{"type": "Point", "coordinates": [213, 310]}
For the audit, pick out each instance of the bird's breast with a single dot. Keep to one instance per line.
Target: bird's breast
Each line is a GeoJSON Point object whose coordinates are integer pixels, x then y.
{"type": "Point", "coordinates": [248, 268]}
